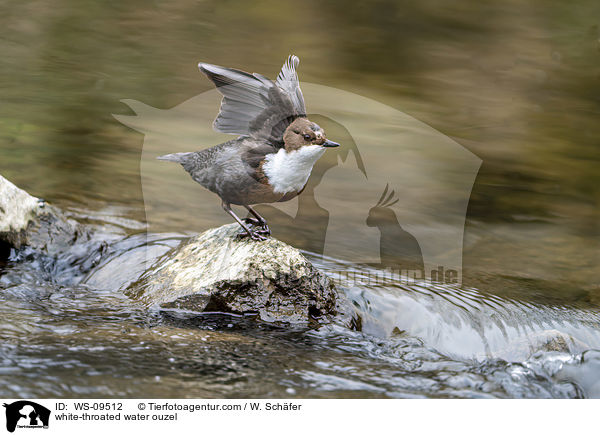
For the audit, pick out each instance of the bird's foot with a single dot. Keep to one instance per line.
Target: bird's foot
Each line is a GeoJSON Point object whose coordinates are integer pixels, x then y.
{"type": "Point", "coordinates": [254, 235]}
{"type": "Point", "coordinates": [262, 226]}
{"type": "Point", "coordinates": [264, 230]}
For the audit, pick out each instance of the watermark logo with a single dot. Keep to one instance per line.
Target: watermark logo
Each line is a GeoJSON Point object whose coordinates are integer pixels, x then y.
{"type": "Point", "coordinates": [25, 414]}
{"type": "Point", "coordinates": [393, 196]}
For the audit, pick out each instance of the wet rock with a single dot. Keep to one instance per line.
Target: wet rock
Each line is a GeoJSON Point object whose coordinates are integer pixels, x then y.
{"type": "Point", "coordinates": [549, 340]}
{"type": "Point", "coordinates": [215, 271]}
{"type": "Point", "coordinates": [29, 221]}
{"type": "Point", "coordinates": [127, 259]}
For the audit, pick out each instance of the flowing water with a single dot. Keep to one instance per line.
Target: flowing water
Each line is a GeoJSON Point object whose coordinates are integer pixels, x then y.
{"type": "Point", "coordinates": [515, 84]}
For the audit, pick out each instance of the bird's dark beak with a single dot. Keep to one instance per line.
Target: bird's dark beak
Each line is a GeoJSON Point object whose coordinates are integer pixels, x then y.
{"type": "Point", "coordinates": [330, 144]}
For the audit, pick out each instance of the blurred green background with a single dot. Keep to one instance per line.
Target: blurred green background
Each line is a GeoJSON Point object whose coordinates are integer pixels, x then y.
{"type": "Point", "coordinates": [515, 82]}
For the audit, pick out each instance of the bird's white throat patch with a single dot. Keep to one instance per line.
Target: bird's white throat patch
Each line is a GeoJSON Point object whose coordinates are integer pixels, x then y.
{"type": "Point", "coordinates": [289, 171]}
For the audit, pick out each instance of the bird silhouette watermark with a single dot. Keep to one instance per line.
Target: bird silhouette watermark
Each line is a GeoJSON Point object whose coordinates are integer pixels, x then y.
{"type": "Point", "coordinates": [392, 197]}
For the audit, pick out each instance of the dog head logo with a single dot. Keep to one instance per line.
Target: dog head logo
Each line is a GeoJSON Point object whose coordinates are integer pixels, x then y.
{"type": "Point", "coordinates": [26, 414]}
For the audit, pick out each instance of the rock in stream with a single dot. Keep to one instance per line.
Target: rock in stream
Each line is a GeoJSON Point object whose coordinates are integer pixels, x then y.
{"type": "Point", "coordinates": [28, 221]}
{"type": "Point", "coordinates": [216, 271]}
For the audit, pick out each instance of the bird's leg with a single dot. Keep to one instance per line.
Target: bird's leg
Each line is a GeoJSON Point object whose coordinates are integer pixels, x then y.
{"type": "Point", "coordinates": [259, 221]}
{"type": "Point", "coordinates": [252, 235]}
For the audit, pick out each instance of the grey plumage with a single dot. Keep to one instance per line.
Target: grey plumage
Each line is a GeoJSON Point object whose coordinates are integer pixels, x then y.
{"type": "Point", "coordinates": [252, 106]}
{"type": "Point", "coordinates": [271, 117]}
{"type": "Point", "coordinates": [223, 169]}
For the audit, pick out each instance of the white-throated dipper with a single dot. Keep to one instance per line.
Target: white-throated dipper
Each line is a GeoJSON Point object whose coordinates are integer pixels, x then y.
{"type": "Point", "coordinates": [273, 158]}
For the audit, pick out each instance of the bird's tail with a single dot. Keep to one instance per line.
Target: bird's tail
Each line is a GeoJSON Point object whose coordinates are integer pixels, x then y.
{"type": "Point", "coordinates": [175, 157]}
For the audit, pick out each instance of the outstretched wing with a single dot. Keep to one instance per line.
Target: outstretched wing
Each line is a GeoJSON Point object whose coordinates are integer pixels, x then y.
{"type": "Point", "coordinates": [253, 105]}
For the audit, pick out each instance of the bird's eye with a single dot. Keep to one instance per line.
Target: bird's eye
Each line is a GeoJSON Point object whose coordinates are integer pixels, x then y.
{"type": "Point", "coordinates": [307, 137]}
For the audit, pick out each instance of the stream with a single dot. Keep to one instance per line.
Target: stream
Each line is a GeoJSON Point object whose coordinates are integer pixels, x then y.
{"type": "Point", "coordinates": [479, 121]}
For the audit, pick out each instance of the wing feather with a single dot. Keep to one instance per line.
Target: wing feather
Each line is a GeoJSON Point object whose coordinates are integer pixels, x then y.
{"type": "Point", "coordinates": [288, 81]}
{"type": "Point", "coordinates": [254, 105]}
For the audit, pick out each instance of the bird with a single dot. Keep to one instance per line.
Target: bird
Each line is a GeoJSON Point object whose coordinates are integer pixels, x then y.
{"type": "Point", "coordinates": [273, 157]}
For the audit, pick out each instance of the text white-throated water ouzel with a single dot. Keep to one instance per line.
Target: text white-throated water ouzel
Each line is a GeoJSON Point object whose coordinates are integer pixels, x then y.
{"type": "Point", "coordinates": [272, 160]}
